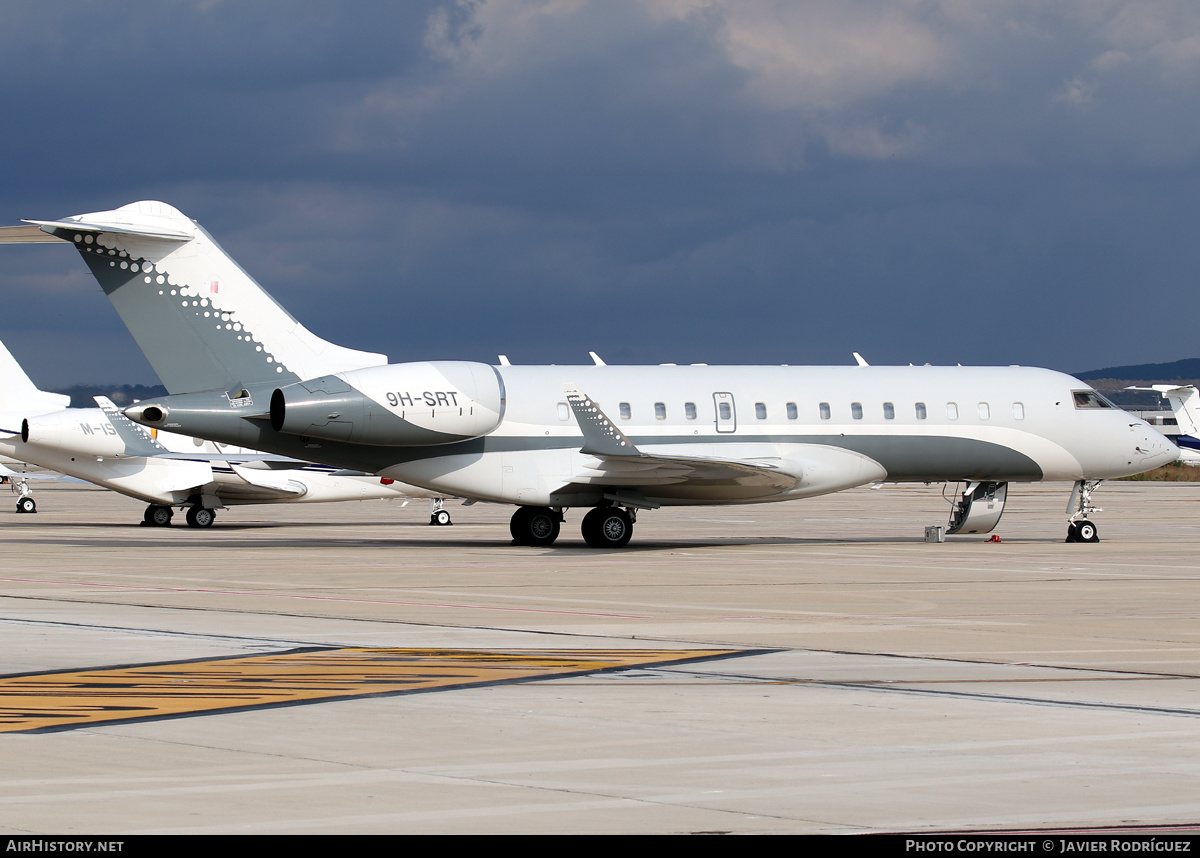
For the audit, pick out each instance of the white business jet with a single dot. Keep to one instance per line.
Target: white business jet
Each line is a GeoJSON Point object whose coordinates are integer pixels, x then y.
{"type": "Point", "coordinates": [614, 440]}
{"type": "Point", "coordinates": [102, 446]}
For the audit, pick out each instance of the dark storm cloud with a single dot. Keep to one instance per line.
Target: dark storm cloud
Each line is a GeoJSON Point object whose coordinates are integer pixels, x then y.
{"type": "Point", "coordinates": [665, 180]}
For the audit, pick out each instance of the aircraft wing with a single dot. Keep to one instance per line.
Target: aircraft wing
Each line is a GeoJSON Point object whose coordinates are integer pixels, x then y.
{"type": "Point", "coordinates": [261, 483]}
{"type": "Point", "coordinates": [615, 460]}
{"type": "Point", "coordinates": [656, 470]}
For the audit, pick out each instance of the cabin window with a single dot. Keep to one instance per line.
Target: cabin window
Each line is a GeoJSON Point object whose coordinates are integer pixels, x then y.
{"type": "Point", "coordinates": [563, 411]}
{"type": "Point", "coordinates": [760, 410]}
{"type": "Point", "coordinates": [921, 412]}
{"type": "Point", "coordinates": [689, 410]}
{"type": "Point", "coordinates": [725, 411]}
{"type": "Point", "coordinates": [985, 412]}
{"type": "Point", "coordinates": [856, 410]}
{"type": "Point", "coordinates": [660, 411]}
{"type": "Point", "coordinates": [625, 412]}
{"type": "Point", "coordinates": [824, 409]}
{"type": "Point", "coordinates": [952, 410]}
{"type": "Point", "coordinates": [792, 412]}
{"type": "Point", "coordinates": [1018, 411]}
{"type": "Point", "coordinates": [889, 411]}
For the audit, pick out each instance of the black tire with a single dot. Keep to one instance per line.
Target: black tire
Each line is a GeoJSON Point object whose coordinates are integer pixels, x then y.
{"type": "Point", "coordinates": [158, 516]}
{"type": "Point", "coordinates": [607, 527]}
{"type": "Point", "coordinates": [200, 516]}
{"type": "Point", "coordinates": [441, 518]}
{"type": "Point", "coordinates": [1087, 531]}
{"type": "Point", "coordinates": [534, 525]}
{"type": "Point", "coordinates": [26, 505]}
{"type": "Point", "coordinates": [1072, 533]}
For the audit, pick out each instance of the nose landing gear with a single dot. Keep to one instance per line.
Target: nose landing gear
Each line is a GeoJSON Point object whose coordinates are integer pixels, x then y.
{"type": "Point", "coordinates": [1079, 507]}
{"type": "Point", "coordinates": [439, 516]}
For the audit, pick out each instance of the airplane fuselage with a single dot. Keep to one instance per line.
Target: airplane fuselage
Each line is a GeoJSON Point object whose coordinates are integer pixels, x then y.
{"type": "Point", "coordinates": [812, 429]}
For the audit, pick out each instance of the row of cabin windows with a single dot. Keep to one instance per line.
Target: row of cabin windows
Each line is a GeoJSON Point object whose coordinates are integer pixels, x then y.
{"type": "Point", "coordinates": [793, 412]}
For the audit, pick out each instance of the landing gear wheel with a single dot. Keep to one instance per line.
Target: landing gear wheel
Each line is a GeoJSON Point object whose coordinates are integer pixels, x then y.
{"type": "Point", "coordinates": [200, 516]}
{"type": "Point", "coordinates": [1072, 533]}
{"type": "Point", "coordinates": [534, 525]}
{"type": "Point", "coordinates": [607, 527]}
{"type": "Point", "coordinates": [26, 505]}
{"type": "Point", "coordinates": [158, 516]}
{"type": "Point", "coordinates": [1086, 532]}
{"type": "Point", "coordinates": [441, 518]}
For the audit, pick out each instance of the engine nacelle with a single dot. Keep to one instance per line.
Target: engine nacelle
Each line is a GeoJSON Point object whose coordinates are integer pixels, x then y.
{"type": "Point", "coordinates": [399, 405]}
{"type": "Point", "coordinates": [82, 431]}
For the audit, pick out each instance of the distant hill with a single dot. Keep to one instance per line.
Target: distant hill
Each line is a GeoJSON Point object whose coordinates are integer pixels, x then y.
{"type": "Point", "coordinates": [1113, 381]}
{"type": "Point", "coordinates": [121, 394]}
{"type": "Point", "coordinates": [1180, 370]}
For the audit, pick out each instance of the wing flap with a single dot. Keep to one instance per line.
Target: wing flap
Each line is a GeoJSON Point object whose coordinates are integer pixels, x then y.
{"type": "Point", "coordinates": [653, 470]}
{"type": "Point", "coordinates": [271, 481]}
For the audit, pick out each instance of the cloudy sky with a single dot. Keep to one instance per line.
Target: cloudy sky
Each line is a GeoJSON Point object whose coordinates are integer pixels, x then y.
{"type": "Point", "coordinates": [721, 181]}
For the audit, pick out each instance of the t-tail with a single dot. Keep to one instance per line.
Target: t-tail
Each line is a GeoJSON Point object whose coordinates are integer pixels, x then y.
{"type": "Point", "coordinates": [203, 323]}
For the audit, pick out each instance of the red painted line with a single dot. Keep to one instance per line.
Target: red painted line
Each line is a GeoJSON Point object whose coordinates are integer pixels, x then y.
{"type": "Point", "coordinates": [137, 588]}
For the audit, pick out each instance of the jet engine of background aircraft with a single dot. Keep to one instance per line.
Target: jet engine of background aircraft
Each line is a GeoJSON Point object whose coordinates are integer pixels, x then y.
{"type": "Point", "coordinates": [73, 431]}
{"type": "Point", "coordinates": [407, 404]}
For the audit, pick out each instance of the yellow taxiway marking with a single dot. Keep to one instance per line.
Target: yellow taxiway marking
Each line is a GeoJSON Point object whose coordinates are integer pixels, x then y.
{"type": "Point", "coordinates": [81, 698]}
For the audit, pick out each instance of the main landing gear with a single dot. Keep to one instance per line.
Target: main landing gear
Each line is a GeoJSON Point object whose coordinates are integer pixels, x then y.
{"type": "Point", "coordinates": [157, 515]}
{"type": "Point", "coordinates": [608, 527]}
{"type": "Point", "coordinates": [602, 527]}
{"type": "Point", "coordinates": [535, 525]}
{"type": "Point", "coordinates": [1079, 507]}
{"type": "Point", "coordinates": [200, 516]}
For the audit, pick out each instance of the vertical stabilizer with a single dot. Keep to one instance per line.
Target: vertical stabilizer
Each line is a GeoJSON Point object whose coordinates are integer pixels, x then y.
{"type": "Point", "coordinates": [18, 393]}
{"type": "Point", "coordinates": [1185, 402]}
{"type": "Point", "coordinates": [202, 322]}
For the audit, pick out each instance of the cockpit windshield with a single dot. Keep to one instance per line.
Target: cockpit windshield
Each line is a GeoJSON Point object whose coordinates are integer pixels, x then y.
{"type": "Point", "coordinates": [1090, 399]}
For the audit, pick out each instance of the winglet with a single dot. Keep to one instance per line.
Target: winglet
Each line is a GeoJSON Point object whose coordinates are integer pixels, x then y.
{"type": "Point", "coordinates": [601, 437]}
{"type": "Point", "coordinates": [859, 359]}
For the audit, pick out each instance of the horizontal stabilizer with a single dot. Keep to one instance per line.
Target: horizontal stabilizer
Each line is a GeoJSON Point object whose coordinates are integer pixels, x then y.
{"type": "Point", "coordinates": [26, 235]}
{"type": "Point", "coordinates": [154, 232]}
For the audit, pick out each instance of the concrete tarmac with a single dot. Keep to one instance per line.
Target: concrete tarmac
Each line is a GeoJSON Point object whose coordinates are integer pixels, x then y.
{"type": "Point", "coordinates": [882, 684]}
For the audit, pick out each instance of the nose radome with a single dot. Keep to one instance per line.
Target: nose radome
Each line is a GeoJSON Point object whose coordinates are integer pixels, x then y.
{"type": "Point", "coordinates": [1156, 449]}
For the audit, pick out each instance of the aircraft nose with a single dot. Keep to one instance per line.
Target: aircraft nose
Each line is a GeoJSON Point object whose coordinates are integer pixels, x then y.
{"type": "Point", "coordinates": [1155, 449]}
